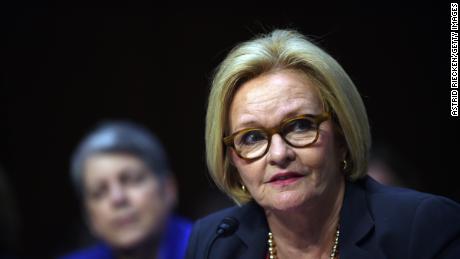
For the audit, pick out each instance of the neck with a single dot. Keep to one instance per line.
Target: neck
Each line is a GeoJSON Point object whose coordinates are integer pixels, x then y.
{"type": "Point", "coordinates": [309, 229]}
{"type": "Point", "coordinates": [146, 250]}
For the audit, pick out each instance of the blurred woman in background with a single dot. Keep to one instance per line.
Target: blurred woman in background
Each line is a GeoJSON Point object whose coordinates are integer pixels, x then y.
{"type": "Point", "coordinates": [122, 175]}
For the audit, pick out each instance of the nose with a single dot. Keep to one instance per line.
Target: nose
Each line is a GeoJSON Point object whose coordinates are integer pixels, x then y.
{"type": "Point", "coordinates": [280, 153]}
{"type": "Point", "coordinates": [118, 196]}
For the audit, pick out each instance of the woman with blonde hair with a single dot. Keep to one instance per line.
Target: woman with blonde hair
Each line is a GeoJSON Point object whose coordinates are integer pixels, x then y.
{"type": "Point", "coordinates": [287, 138]}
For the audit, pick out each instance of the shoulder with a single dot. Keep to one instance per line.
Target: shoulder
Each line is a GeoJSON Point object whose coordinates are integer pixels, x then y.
{"type": "Point", "coordinates": [403, 201]}
{"type": "Point", "coordinates": [99, 251]}
{"type": "Point", "coordinates": [204, 229]}
{"type": "Point", "coordinates": [178, 231]}
{"type": "Point", "coordinates": [216, 217]}
{"type": "Point", "coordinates": [405, 216]}
{"type": "Point", "coordinates": [242, 214]}
{"type": "Point", "coordinates": [180, 224]}
{"type": "Point", "coordinates": [175, 238]}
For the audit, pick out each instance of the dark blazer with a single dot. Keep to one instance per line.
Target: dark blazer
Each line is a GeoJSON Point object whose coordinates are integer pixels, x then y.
{"type": "Point", "coordinates": [376, 221]}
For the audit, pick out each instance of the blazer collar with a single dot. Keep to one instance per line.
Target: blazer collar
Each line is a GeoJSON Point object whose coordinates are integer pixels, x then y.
{"type": "Point", "coordinates": [253, 230]}
{"type": "Point", "coordinates": [355, 221]}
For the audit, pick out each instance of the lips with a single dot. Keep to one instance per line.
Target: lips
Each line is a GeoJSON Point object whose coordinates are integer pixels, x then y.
{"type": "Point", "coordinates": [125, 220]}
{"type": "Point", "coordinates": [285, 178]}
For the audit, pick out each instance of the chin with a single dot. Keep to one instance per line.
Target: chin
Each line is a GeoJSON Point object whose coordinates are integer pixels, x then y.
{"type": "Point", "coordinates": [130, 239]}
{"type": "Point", "coordinates": [288, 200]}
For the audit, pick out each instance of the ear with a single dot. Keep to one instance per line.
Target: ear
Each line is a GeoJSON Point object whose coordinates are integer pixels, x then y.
{"type": "Point", "coordinates": [343, 153]}
{"type": "Point", "coordinates": [341, 147]}
{"type": "Point", "coordinates": [170, 191]}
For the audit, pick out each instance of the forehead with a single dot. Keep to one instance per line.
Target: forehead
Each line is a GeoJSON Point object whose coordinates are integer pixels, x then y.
{"type": "Point", "coordinates": [272, 97]}
{"type": "Point", "coordinates": [105, 165]}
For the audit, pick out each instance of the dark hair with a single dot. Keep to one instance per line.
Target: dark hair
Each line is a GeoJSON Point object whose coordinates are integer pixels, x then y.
{"type": "Point", "coordinates": [119, 137]}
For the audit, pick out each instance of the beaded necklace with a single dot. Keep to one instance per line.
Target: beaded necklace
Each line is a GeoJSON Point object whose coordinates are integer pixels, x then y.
{"type": "Point", "coordinates": [272, 245]}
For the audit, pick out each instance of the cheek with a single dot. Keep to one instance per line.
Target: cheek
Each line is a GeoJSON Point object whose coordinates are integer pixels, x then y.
{"type": "Point", "coordinates": [314, 159]}
{"type": "Point", "coordinates": [153, 210]}
{"type": "Point", "coordinates": [323, 157]}
{"type": "Point", "coordinates": [99, 215]}
{"type": "Point", "coordinates": [150, 202]}
{"type": "Point", "coordinates": [96, 211]}
{"type": "Point", "coordinates": [146, 197]}
{"type": "Point", "coordinates": [251, 174]}
{"type": "Point", "coordinates": [239, 163]}
{"type": "Point", "coordinates": [234, 158]}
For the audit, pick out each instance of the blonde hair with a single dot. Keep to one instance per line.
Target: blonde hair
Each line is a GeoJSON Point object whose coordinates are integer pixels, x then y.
{"type": "Point", "coordinates": [283, 49]}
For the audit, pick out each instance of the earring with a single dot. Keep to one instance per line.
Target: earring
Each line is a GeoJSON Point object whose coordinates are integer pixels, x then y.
{"type": "Point", "coordinates": [345, 165]}
{"type": "Point", "coordinates": [243, 188]}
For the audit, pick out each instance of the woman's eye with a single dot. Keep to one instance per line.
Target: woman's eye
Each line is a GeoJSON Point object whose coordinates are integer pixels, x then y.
{"type": "Point", "coordinates": [138, 178]}
{"type": "Point", "coordinates": [300, 125]}
{"type": "Point", "coordinates": [97, 193]}
{"type": "Point", "coordinates": [252, 137]}
{"type": "Point", "coordinates": [133, 178]}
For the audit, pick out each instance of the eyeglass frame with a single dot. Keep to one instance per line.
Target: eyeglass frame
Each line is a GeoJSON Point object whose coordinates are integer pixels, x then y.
{"type": "Point", "coordinates": [318, 119]}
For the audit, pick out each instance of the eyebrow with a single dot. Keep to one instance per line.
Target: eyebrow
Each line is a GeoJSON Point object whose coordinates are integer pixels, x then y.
{"type": "Point", "coordinates": [251, 123]}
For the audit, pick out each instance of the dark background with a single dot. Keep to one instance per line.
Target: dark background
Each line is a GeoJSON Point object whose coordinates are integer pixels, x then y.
{"type": "Point", "coordinates": [65, 69]}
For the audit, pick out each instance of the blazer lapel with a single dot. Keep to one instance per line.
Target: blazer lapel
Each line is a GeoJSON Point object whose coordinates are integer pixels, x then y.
{"type": "Point", "coordinates": [355, 222]}
{"type": "Point", "coordinates": [253, 231]}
